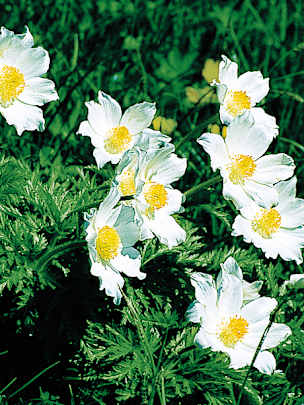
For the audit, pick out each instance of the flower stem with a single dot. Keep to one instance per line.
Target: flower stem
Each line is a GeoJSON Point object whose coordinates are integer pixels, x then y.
{"type": "Point", "coordinates": [63, 248]}
{"type": "Point", "coordinates": [34, 378]}
{"type": "Point", "coordinates": [203, 185]}
{"type": "Point", "coordinates": [196, 130]}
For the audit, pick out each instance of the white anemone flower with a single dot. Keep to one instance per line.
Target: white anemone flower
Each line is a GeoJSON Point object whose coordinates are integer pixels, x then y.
{"type": "Point", "coordinates": [239, 94]}
{"type": "Point", "coordinates": [22, 89]}
{"type": "Point", "coordinates": [247, 174]}
{"type": "Point", "coordinates": [278, 230]}
{"type": "Point", "coordinates": [229, 325]}
{"type": "Point", "coordinates": [112, 133]}
{"type": "Point", "coordinates": [147, 177]}
{"type": "Point", "coordinates": [111, 234]}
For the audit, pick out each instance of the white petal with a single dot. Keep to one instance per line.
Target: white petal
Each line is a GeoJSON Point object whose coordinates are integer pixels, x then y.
{"type": "Point", "coordinates": [202, 339]}
{"type": "Point", "coordinates": [293, 213]}
{"type": "Point", "coordinates": [26, 38]}
{"type": "Point", "coordinates": [102, 157]}
{"type": "Point", "coordinates": [225, 116]}
{"type": "Point", "coordinates": [173, 204]}
{"type": "Point", "coordinates": [205, 291]}
{"type": "Point", "coordinates": [138, 117]}
{"type": "Point", "coordinates": [33, 62]}
{"type": "Point", "coordinates": [259, 309]}
{"type": "Point", "coordinates": [241, 227]}
{"type": "Point", "coordinates": [276, 334]}
{"type": "Point", "coordinates": [23, 117]}
{"type": "Point", "coordinates": [290, 242]}
{"type": "Point", "coordinates": [195, 312]}
{"type": "Point", "coordinates": [255, 86]}
{"type": "Point", "coordinates": [105, 214]}
{"type": "Point", "coordinates": [169, 170]}
{"type": "Point", "coordinates": [240, 358]}
{"type": "Point", "coordinates": [236, 193]}
{"type": "Point", "coordinates": [9, 39]}
{"type": "Point", "coordinates": [145, 232]}
{"type": "Point", "coordinates": [150, 139]}
{"type": "Point", "coordinates": [111, 111]}
{"type": "Point", "coordinates": [268, 122]}
{"type": "Point", "coordinates": [167, 230]}
{"type": "Point", "coordinates": [110, 281]}
{"type": "Point", "coordinates": [221, 90]}
{"type": "Point", "coordinates": [231, 267]}
{"type": "Point", "coordinates": [246, 139]}
{"type": "Point", "coordinates": [230, 293]}
{"type": "Point", "coordinates": [38, 91]}
{"type": "Point", "coordinates": [214, 145]}
{"type": "Point", "coordinates": [126, 227]}
{"type": "Point", "coordinates": [85, 129]}
{"type": "Point", "coordinates": [287, 191]}
{"type": "Point", "coordinates": [129, 266]}
{"type": "Point", "coordinates": [102, 118]}
{"type": "Point", "coordinates": [264, 195]}
{"type": "Point", "coordinates": [265, 362]}
{"type": "Point", "coordinates": [227, 70]}
{"type": "Point", "coordinates": [273, 168]}
{"type": "Point", "coordinates": [251, 290]}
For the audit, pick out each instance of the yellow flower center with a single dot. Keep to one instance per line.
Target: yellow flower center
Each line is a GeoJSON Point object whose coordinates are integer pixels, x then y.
{"type": "Point", "coordinates": [267, 222]}
{"type": "Point", "coordinates": [127, 183]}
{"type": "Point", "coordinates": [118, 140]}
{"type": "Point", "coordinates": [233, 331]}
{"type": "Point", "coordinates": [156, 196]}
{"type": "Point", "coordinates": [236, 102]}
{"type": "Point", "coordinates": [241, 167]}
{"type": "Point", "coordinates": [11, 84]}
{"type": "Point", "coordinates": [107, 243]}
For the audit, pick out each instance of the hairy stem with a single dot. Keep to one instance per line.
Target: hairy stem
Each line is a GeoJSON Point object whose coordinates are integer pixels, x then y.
{"type": "Point", "coordinates": [203, 185]}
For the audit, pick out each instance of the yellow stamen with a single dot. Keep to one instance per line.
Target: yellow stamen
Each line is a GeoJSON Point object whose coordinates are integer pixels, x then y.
{"type": "Point", "coordinates": [127, 183]}
{"type": "Point", "coordinates": [107, 243]}
{"type": "Point", "coordinates": [233, 331]}
{"type": "Point", "coordinates": [224, 132]}
{"type": "Point", "coordinates": [118, 140]}
{"type": "Point", "coordinates": [11, 84]}
{"type": "Point", "coordinates": [267, 222]}
{"type": "Point", "coordinates": [156, 196]}
{"type": "Point", "coordinates": [236, 102]}
{"type": "Point", "coordinates": [241, 167]}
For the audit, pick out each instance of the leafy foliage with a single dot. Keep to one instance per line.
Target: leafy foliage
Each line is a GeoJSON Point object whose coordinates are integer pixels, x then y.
{"type": "Point", "coordinates": [51, 309]}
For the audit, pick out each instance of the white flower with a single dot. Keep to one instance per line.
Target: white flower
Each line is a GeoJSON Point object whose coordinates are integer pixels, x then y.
{"type": "Point", "coordinates": [112, 133]}
{"type": "Point", "coordinates": [21, 87]}
{"type": "Point", "coordinates": [111, 233]}
{"type": "Point", "coordinates": [147, 177]}
{"type": "Point", "coordinates": [230, 326]}
{"type": "Point", "coordinates": [239, 94]}
{"type": "Point", "coordinates": [247, 174]}
{"type": "Point", "coordinates": [278, 230]}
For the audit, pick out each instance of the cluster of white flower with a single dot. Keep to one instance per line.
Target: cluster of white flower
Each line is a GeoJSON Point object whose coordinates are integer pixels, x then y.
{"type": "Point", "coordinates": [233, 317]}
{"type": "Point", "coordinates": [147, 167]}
{"type": "Point", "coordinates": [141, 200]}
{"type": "Point", "coordinates": [271, 217]}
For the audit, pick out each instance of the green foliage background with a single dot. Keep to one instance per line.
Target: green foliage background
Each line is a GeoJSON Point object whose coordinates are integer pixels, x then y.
{"type": "Point", "coordinates": [52, 313]}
